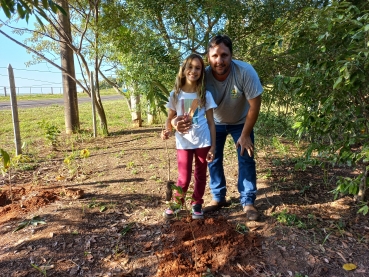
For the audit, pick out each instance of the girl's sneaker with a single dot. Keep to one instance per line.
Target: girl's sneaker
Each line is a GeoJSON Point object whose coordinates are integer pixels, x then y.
{"type": "Point", "coordinates": [171, 212]}
{"type": "Point", "coordinates": [197, 212]}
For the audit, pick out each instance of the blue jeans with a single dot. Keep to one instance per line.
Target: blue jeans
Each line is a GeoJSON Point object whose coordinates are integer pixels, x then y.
{"type": "Point", "coordinates": [246, 167]}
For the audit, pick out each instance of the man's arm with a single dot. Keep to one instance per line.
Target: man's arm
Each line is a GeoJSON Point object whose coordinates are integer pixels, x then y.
{"type": "Point", "coordinates": [245, 140]}
{"type": "Point", "coordinates": [181, 123]}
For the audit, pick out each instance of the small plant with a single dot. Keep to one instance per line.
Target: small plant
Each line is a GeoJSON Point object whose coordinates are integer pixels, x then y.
{"type": "Point", "coordinates": [5, 168]}
{"type": "Point", "coordinates": [126, 229]}
{"type": "Point", "coordinates": [241, 228]}
{"type": "Point", "coordinates": [289, 219]}
{"type": "Point", "coordinates": [94, 204]}
{"type": "Point", "coordinates": [40, 269]}
{"type": "Point", "coordinates": [71, 161]}
{"type": "Point", "coordinates": [207, 273]}
{"type": "Point", "coordinates": [34, 221]}
{"type": "Point", "coordinates": [130, 164]}
{"type": "Point", "coordinates": [51, 132]}
{"type": "Point", "coordinates": [278, 145]}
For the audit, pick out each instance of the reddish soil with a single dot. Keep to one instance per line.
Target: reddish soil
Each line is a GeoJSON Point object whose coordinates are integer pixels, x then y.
{"type": "Point", "coordinates": [102, 216]}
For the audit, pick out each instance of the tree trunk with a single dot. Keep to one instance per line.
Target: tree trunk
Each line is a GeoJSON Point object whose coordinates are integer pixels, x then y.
{"type": "Point", "coordinates": [136, 109]}
{"type": "Point", "coordinates": [363, 186]}
{"type": "Point", "coordinates": [67, 62]}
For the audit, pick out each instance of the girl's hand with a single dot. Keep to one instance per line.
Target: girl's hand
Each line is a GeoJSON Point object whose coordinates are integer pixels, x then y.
{"type": "Point", "coordinates": [210, 156]}
{"type": "Point", "coordinates": [165, 134]}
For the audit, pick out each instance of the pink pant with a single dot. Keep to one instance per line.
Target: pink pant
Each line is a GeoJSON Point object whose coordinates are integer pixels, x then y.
{"type": "Point", "coordinates": [184, 160]}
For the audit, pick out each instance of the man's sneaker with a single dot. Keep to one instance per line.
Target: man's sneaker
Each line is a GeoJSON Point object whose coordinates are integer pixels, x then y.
{"type": "Point", "coordinates": [171, 212]}
{"type": "Point", "coordinates": [251, 213]}
{"type": "Point", "coordinates": [215, 206]}
{"type": "Point", "coordinates": [197, 212]}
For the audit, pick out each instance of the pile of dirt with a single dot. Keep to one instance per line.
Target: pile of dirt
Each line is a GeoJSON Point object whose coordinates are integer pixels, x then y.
{"type": "Point", "coordinates": [16, 202]}
{"type": "Point", "coordinates": [194, 247]}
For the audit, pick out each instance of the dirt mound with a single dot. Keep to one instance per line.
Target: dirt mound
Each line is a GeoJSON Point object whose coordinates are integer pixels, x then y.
{"type": "Point", "coordinates": [22, 200]}
{"type": "Point", "coordinates": [193, 247]}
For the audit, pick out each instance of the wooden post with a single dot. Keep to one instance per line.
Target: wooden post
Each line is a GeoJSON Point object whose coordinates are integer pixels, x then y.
{"type": "Point", "coordinates": [13, 102]}
{"type": "Point", "coordinates": [93, 102]}
{"type": "Point", "coordinates": [52, 90]}
{"type": "Point", "coordinates": [5, 91]}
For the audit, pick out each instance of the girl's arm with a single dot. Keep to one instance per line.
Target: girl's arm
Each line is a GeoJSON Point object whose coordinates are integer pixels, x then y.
{"type": "Point", "coordinates": [168, 126]}
{"type": "Point", "coordinates": [211, 124]}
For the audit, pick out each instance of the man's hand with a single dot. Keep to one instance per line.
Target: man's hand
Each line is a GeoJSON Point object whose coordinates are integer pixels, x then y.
{"type": "Point", "coordinates": [182, 124]}
{"type": "Point", "coordinates": [246, 144]}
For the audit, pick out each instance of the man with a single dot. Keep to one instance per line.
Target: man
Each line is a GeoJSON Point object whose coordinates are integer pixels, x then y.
{"type": "Point", "coordinates": [236, 89]}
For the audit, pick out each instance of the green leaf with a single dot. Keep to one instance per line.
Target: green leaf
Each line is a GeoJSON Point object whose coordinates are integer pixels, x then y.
{"type": "Point", "coordinates": [364, 210]}
{"type": "Point", "coordinates": [5, 158]}
{"type": "Point", "coordinates": [45, 3]}
{"type": "Point", "coordinates": [40, 22]}
{"type": "Point", "coordinates": [25, 6]}
{"type": "Point", "coordinates": [21, 12]}
{"type": "Point", "coordinates": [338, 81]}
{"type": "Point", "coordinates": [37, 220]}
{"type": "Point", "coordinates": [21, 225]}
{"type": "Point", "coordinates": [126, 229]}
{"type": "Point", "coordinates": [52, 6]}
{"type": "Point", "coordinates": [103, 208]}
{"type": "Point", "coordinates": [6, 8]}
{"type": "Point", "coordinates": [60, 9]}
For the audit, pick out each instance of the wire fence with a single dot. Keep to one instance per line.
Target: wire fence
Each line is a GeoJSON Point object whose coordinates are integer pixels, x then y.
{"type": "Point", "coordinates": [47, 84]}
{"type": "Point", "coordinates": [5, 91]}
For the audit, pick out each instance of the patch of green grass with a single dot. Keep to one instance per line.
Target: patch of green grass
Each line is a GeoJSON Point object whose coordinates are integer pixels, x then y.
{"type": "Point", "coordinates": [288, 219]}
{"type": "Point", "coordinates": [117, 114]}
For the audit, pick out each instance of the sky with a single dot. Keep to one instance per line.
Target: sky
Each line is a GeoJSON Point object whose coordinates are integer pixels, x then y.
{"type": "Point", "coordinates": [40, 78]}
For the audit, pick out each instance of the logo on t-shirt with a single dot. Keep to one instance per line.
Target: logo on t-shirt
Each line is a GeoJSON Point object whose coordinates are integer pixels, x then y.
{"type": "Point", "coordinates": [190, 108]}
{"type": "Point", "coordinates": [235, 92]}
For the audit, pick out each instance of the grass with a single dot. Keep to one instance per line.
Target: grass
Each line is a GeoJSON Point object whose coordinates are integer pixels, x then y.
{"type": "Point", "coordinates": [117, 113]}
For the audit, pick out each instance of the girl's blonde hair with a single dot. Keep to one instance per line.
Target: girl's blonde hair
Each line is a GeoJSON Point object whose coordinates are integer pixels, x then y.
{"type": "Point", "coordinates": [181, 79]}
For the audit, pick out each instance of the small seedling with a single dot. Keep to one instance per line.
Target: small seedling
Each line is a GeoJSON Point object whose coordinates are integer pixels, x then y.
{"type": "Point", "coordinates": [42, 271]}
{"type": "Point", "coordinates": [51, 132]}
{"type": "Point", "coordinates": [5, 168]}
{"type": "Point", "coordinates": [126, 229]}
{"type": "Point", "coordinates": [207, 273]}
{"type": "Point", "coordinates": [34, 221]}
{"type": "Point", "coordinates": [241, 228]}
{"type": "Point", "coordinates": [130, 164]}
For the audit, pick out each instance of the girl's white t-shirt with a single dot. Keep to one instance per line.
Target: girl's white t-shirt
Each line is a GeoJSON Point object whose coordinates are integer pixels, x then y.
{"type": "Point", "coordinates": [199, 134]}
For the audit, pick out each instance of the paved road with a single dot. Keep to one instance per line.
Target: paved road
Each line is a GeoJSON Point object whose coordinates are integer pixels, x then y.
{"type": "Point", "coordinates": [23, 104]}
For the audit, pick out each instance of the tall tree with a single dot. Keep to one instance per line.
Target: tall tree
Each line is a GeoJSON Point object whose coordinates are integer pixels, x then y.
{"type": "Point", "coordinates": [46, 38]}
{"type": "Point", "coordinates": [67, 63]}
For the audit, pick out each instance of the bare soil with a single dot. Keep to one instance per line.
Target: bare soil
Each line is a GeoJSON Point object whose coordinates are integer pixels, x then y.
{"type": "Point", "coordinates": [102, 216]}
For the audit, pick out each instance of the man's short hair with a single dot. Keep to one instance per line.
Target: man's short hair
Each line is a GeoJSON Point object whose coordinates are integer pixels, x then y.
{"type": "Point", "coordinates": [218, 39]}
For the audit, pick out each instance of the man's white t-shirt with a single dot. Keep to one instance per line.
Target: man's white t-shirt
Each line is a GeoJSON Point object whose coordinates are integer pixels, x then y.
{"type": "Point", "coordinates": [199, 134]}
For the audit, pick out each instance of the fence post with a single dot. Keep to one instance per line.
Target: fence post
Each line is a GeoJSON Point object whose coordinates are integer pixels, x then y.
{"type": "Point", "coordinates": [30, 92]}
{"type": "Point", "coordinates": [5, 91]}
{"type": "Point", "coordinates": [13, 102]}
{"type": "Point", "coordinates": [52, 90]}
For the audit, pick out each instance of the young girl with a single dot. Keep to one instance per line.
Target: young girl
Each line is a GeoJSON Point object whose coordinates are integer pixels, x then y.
{"type": "Point", "coordinates": [190, 99]}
